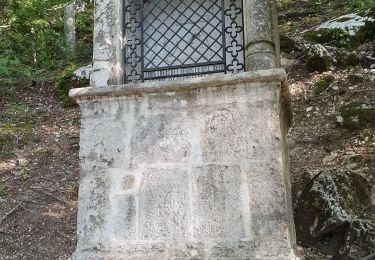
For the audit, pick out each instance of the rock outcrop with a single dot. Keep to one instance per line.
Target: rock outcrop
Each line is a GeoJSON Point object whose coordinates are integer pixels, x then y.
{"type": "Point", "coordinates": [318, 58]}
{"type": "Point", "coordinates": [332, 214]}
{"type": "Point", "coordinates": [346, 31]}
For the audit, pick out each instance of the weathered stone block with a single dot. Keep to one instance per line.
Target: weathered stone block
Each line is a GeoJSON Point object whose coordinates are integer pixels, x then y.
{"type": "Point", "coordinates": [123, 220]}
{"type": "Point", "coordinates": [163, 137]}
{"type": "Point", "coordinates": [265, 179]}
{"type": "Point", "coordinates": [164, 205]}
{"type": "Point", "coordinates": [217, 210]}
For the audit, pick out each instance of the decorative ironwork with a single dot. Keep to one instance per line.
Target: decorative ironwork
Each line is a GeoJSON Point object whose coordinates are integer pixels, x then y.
{"type": "Point", "coordinates": [182, 38]}
{"type": "Point", "coordinates": [234, 36]}
{"type": "Point", "coordinates": [133, 34]}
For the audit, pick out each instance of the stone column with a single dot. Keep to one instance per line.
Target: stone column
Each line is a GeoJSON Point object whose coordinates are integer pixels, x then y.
{"type": "Point", "coordinates": [261, 37]}
{"type": "Point", "coordinates": [108, 39]}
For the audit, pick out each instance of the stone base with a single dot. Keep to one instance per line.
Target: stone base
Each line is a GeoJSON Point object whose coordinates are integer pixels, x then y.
{"type": "Point", "coordinates": [189, 169]}
{"type": "Point", "coordinates": [269, 250]}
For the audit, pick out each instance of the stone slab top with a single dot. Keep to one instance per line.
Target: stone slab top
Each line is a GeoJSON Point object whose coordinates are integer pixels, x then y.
{"type": "Point", "coordinates": [260, 76]}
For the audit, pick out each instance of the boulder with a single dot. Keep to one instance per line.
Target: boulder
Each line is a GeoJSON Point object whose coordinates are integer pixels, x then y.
{"type": "Point", "coordinates": [347, 31]}
{"type": "Point", "coordinates": [334, 214]}
{"type": "Point", "coordinates": [318, 58]}
{"type": "Point", "coordinates": [83, 72]}
{"type": "Point", "coordinates": [357, 115]}
{"type": "Point", "coordinates": [346, 59]}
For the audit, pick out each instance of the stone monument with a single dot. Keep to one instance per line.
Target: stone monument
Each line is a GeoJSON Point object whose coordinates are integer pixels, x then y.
{"type": "Point", "coordinates": [183, 133]}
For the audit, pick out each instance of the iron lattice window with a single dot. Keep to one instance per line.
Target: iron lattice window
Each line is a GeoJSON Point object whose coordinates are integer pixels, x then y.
{"type": "Point", "coordinates": [182, 38]}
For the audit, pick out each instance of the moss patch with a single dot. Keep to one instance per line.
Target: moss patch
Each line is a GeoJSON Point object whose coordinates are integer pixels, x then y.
{"type": "Point", "coordinates": [345, 59]}
{"type": "Point", "coordinates": [323, 83]}
{"type": "Point", "coordinates": [336, 36]}
{"type": "Point", "coordinates": [6, 147]}
{"type": "Point", "coordinates": [66, 81]}
{"type": "Point", "coordinates": [357, 115]}
{"type": "Point", "coordinates": [16, 128]}
{"type": "Point", "coordinates": [2, 192]}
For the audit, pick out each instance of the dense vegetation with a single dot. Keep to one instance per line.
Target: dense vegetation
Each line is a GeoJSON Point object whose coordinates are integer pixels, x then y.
{"type": "Point", "coordinates": [32, 42]}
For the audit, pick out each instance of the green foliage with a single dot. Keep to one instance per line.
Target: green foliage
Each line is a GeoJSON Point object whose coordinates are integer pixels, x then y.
{"type": "Point", "coordinates": [337, 37]}
{"type": "Point", "coordinates": [32, 40]}
{"type": "Point", "coordinates": [2, 192]}
{"type": "Point", "coordinates": [12, 72]}
{"type": "Point", "coordinates": [323, 83]}
{"type": "Point", "coordinates": [16, 128]}
{"type": "Point", "coordinates": [84, 35]}
{"type": "Point", "coordinates": [357, 115]}
{"type": "Point", "coordinates": [360, 3]}
{"type": "Point", "coordinates": [33, 30]}
{"type": "Point", "coordinates": [66, 81]}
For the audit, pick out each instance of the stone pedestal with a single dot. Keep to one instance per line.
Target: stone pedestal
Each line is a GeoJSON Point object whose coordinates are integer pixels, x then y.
{"type": "Point", "coordinates": [188, 169]}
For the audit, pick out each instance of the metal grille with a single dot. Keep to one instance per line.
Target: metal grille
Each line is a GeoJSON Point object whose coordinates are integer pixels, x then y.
{"type": "Point", "coordinates": [182, 38]}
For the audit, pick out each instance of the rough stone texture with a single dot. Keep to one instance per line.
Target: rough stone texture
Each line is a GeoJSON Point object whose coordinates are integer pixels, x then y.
{"type": "Point", "coordinates": [262, 39]}
{"type": "Point", "coordinates": [108, 40]}
{"type": "Point", "coordinates": [332, 214]}
{"type": "Point", "coordinates": [190, 169]}
{"type": "Point", "coordinates": [318, 58]}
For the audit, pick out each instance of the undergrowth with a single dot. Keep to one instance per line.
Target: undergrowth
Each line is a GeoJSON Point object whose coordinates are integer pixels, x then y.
{"type": "Point", "coordinates": [32, 45]}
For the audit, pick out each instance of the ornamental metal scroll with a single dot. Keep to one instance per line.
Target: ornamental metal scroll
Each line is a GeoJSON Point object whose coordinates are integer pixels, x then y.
{"type": "Point", "coordinates": [166, 39]}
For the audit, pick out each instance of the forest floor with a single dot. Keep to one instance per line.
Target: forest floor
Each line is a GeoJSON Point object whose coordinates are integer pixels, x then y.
{"type": "Point", "coordinates": [39, 171]}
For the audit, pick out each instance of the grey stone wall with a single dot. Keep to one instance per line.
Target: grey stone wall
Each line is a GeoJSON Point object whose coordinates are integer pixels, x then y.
{"type": "Point", "coordinates": [194, 169]}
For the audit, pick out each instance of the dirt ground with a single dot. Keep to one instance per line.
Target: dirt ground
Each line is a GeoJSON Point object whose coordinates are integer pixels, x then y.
{"type": "Point", "coordinates": [39, 185]}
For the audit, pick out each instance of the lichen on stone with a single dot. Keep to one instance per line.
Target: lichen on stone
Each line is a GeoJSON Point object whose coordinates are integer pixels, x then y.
{"type": "Point", "coordinates": [347, 31]}
{"type": "Point", "coordinates": [332, 211]}
{"type": "Point", "coordinates": [318, 58]}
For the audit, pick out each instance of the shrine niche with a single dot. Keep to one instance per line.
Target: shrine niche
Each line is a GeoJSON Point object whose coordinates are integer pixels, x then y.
{"type": "Point", "coordinates": [169, 39]}
{"type": "Point", "coordinates": [183, 151]}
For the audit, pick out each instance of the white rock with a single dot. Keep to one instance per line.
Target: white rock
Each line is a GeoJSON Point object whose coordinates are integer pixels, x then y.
{"type": "Point", "coordinates": [83, 72]}
{"type": "Point", "coordinates": [350, 23]}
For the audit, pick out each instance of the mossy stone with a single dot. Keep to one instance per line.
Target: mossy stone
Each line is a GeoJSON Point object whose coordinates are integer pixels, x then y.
{"type": "Point", "coordinates": [66, 81]}
{"type": "Point", "coordinates": [323, 83]}
{"type": "Point", "coordinates": [335, 36]}
{"type": "Point", "coordinates": [342, 37]}
{"type": "Point", "coordinates": [318, 58]}
{"type": "Point", "coordinates": [347, 59]}
{"type": "Point", "coordinates": [357, 115]}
